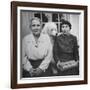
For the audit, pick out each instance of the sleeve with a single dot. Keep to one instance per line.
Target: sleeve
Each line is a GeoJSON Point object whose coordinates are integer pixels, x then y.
{"type": "Point", "coordinates": [55, 51]}
{"type": "Point", "coordinates": [76, 51]}
{"type": "Point", "coordinates": [45, 63]}
{"type": "Point", "coordinates": [25, 63]}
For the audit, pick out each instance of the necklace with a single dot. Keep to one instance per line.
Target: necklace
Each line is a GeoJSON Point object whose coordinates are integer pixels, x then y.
{"type": "Point", "coordinates": [36, 44]}
{"type": "Point", "coordinates": [36, 41]}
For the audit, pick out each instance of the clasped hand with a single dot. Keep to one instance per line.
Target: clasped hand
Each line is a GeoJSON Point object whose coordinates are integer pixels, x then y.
{"type": "Point", "coordinates": [35, 72]}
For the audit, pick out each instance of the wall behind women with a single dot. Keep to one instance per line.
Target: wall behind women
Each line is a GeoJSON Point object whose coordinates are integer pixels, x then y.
{"type": "Point", "coordinates": [74, 19]}
{"type": "Point", "coordinates": [5, 63]}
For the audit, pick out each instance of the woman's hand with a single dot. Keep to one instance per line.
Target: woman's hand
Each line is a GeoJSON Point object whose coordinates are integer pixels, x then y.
{"type": "Point", "coordinates": [38, 71]}
{"type": "Point", "coordinates": [32, 72]}
{"type": "Point", "coordinates": [60, 65]}
{"type": "Point", "coordinates": [35, 72]}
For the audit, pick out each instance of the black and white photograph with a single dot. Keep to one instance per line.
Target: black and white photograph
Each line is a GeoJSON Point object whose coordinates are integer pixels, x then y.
{"type": "Point", "coordinates": [50, 44]}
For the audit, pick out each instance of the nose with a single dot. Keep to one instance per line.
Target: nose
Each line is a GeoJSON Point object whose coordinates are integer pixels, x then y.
{"type": "Point", "coordinates": [36, 27]}
{"type": "Point", "coordinates": [64, 29]}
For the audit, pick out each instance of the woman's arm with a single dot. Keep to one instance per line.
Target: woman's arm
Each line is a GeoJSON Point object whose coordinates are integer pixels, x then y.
{"type": "Point", "coordinates": [26, 64]}
{"type": "Point", "coordinates": [76, 51]}
{"type": "Point", "coordinates": [55, 51]}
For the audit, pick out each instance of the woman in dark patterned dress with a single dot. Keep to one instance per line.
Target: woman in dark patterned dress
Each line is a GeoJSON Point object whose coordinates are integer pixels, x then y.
{"type": "Point", "coordinates": [65, 51]}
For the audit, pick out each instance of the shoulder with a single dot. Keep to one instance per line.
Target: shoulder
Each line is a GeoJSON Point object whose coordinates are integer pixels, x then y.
{"type": "Point", "coordinates": [27, 37]}
{"type": "Point", "coordinates": [73, 36]}
{"type": "Point", "coordinates": [60, 35]}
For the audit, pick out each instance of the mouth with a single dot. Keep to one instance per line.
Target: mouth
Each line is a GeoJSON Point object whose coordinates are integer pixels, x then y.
{"type": "Point", "coordinates": [35, 30]}
{"type": "Point", "coordinates": [64, 32]}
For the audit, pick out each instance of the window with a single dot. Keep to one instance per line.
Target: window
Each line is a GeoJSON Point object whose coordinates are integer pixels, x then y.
{"type": "Point", "coordinates": [54, 17]}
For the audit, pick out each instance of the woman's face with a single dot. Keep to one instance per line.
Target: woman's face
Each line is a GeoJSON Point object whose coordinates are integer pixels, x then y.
{"type": "Point", "coordinates": [65, 28]}
{"type": "Point", "coordinates": [36, 27]}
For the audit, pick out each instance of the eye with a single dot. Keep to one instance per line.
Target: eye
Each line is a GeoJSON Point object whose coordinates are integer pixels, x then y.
{"type": "Point", "coordinates": [33, 25]}
{"type": "Point", "coordinates": [38, 25]}
{"type": "Point", "coordinates": [66, 26]}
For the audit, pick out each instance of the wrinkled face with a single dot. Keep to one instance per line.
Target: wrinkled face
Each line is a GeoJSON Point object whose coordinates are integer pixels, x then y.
{"type": "Point", "coordinates": [53, 32]}
{"type": "Point", "coordinates": [65, 28]}
{"type": "Point", "coordinates": [36, 27]}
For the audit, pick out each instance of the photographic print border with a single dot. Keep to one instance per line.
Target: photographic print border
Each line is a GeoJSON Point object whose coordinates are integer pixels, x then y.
{"type": "Point", "coordinates": [14, 32]}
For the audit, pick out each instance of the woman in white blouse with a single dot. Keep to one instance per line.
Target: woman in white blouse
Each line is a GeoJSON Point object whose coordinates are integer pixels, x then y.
{"type": "Point", "coordinates": [36, 51]}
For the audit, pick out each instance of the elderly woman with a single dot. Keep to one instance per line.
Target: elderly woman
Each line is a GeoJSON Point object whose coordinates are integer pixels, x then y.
{"type": "Point", "coordinates": [36, 51]}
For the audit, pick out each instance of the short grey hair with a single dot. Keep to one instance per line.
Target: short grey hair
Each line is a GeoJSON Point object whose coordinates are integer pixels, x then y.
{"type": "Point", "coordinates": [34, 18]}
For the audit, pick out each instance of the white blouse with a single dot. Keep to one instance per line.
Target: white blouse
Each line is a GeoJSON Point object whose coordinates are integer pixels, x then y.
{"type": "Point", "coordinates": [40, 50]}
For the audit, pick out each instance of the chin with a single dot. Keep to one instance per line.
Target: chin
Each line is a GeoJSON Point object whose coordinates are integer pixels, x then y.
{"type": "Point", "coordinates": [36, 34]}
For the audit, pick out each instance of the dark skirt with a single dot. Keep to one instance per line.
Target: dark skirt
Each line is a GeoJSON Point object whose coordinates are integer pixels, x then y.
{"type": "Point", "coordinates": [47, 73]}
{"type": "Point", "coordinates": [35, 64]}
